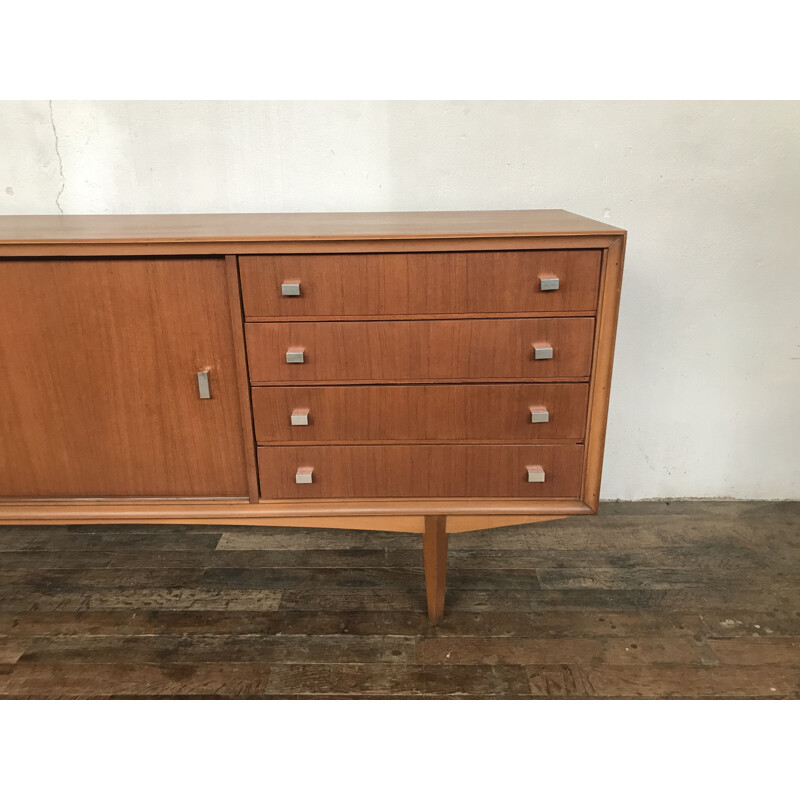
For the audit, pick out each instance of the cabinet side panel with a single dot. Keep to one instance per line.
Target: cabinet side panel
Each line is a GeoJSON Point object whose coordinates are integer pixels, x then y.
{"type": "Point", "coordinates": [600, 384]}
{"type": "Point", "coordinates": [99, 362]}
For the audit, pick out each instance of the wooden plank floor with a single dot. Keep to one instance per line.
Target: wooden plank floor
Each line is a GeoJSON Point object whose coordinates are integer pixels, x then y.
{"type": "Point", "coordinates": [648, 600]}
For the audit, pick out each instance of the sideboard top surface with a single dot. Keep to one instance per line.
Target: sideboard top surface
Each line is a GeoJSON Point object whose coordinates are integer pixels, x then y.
{"type": "Point", "coordinates": [200, 228]}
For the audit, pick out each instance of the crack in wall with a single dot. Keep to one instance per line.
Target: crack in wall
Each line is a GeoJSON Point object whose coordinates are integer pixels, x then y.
{"type": "Point", "coordinates": [60, 162]}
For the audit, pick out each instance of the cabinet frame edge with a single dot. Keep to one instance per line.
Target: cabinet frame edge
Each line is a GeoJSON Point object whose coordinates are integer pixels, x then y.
{"type": "Point", "coordinates": [602, 367]}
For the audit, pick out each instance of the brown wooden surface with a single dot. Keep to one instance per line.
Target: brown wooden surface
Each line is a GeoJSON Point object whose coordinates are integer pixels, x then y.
{"type": "Point", "coordinates": [142, 247]}
{"type": "Point", "coordinates": [434, 549]}
{"type": "Point", "coordinates": [406, 524]}
{"type": "Point", "coordinates": [469, 240]}
{"type": "Point", "coordinates": [476, 522]}
{"type": "Point", "coordinates": [447, 412]}
{"type": "Point", "coordinates": [429, 351]}
{"type": "Point", "coordinates": [178, 611]}
{"type": "Point", "coordinates": [439, 470]}
{"type": "Point", "coordinates": [243, 227]}
{"type": "Point", "coordinates": [207, 512]}
{"type": "Point", "coordinates": [100, 393]}
{"type": "Point", "coordinates": [420, 283]}
{"type": "Point", "coordinates": [602, 364]}
{"type": "Point", "coordinates": [242, 378]}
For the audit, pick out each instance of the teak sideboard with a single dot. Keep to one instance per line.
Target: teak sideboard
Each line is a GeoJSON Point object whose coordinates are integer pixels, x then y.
{"type": "Point", "coordinates": [428, 372]}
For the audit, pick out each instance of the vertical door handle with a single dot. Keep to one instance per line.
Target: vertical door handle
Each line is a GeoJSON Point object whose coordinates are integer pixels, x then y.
{"type": "Point", "coordinates": [203, 385]}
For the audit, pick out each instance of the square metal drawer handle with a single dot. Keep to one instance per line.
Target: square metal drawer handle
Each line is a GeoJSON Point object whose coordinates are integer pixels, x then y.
{"type": "Point", "coordinates": [539, 414]}
{"type": "Point", "coordinates": [535, 474]}
{"type": "Point", "coordinates": [542, 351]}
{"type": "Point", "coordinates": [300, 416]}
{"type": "Point", "coordinates": [296, 355]}
{"type": "Point", "coordinates": [549, 284]}
{"type": "Point", "coordinates": [306, 475]}
{"type": "Point", "coordinates": [290, 288]}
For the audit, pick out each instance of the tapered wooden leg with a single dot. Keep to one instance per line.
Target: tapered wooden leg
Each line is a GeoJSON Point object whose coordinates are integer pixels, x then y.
{"type": "Point", "coordinates": [434, 549]}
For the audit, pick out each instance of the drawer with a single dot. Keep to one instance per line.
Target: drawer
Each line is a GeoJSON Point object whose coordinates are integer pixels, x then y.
{"type": "Point", "coordinates": [401, 413]}
{"type": "Point", "coordinates": [436, 470]}
{"type": "Point", "coordinates": [357, 285]}
{"type": "Point", "coordinates": [419, 350]}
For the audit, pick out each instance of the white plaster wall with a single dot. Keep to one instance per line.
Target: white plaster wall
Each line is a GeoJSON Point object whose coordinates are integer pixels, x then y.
{"type": "Point", "coordinates": [706, 392]}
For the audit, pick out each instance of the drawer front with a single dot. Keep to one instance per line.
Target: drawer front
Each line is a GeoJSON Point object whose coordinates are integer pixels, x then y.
{"type": "Point", "coordinates": [481, 470]}
{"type": "Point", "coordinates": [420, 350]}
{"type": "Point", "coordinates": [396, 413]}
{"type": "Point", "coordinates": [420, 283]}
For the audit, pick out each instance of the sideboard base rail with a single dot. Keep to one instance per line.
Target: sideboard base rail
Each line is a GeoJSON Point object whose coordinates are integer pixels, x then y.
{"type": "Point", "coordinates": [435, 528]}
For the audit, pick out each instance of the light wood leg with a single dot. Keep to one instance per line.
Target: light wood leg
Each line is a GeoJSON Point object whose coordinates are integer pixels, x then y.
{"type": "Point", "coordinates": [434, 549]}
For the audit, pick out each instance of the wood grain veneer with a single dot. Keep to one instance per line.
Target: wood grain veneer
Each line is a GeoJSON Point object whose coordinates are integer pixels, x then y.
{"type": "Point", "coordinates": [442, 412]}
{"type": "Point", "coordinates": [438, 470]}
{"type": "Point", "coordinates": [99, 363]}
{"type": "Point", "coordinates": [243, 383]}
{"type": "Point", "coordinates": [240, 512]}
{"type": "Point", "coordinates": [212, 228]}
{"type": "Point", "coordinates": [421, 350]}
{"type": "Point", "coordinates": [360, 285]}
{"type": "Point", "coordinates": [603, 361]}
